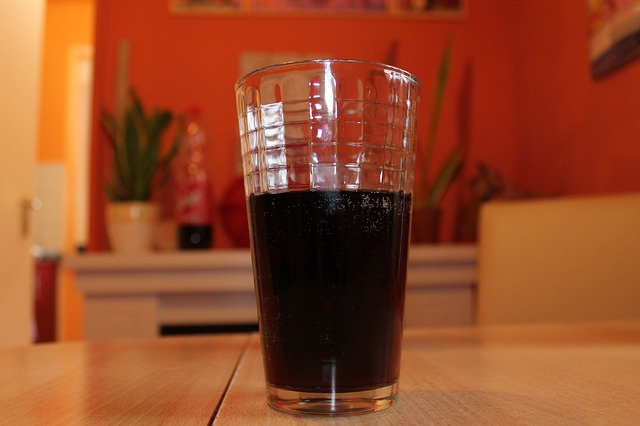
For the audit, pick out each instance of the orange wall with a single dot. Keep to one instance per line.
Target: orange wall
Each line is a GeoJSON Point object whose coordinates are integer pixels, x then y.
{"type": "Point", "coordinates": [179, 60]}
{"type": "Point", "coordinates": [576, 135]}
{"type": "Point", "coordinates": [67, 23]}
{"type": "Point", "coordinates": [533, 111]}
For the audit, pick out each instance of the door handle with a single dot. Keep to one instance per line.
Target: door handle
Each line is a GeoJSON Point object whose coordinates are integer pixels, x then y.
{"type": "Point", "coordinates": [26, 206]}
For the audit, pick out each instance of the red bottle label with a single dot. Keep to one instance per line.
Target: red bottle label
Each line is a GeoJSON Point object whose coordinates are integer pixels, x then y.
{"type": "Point", "coordinates": [194, 204]}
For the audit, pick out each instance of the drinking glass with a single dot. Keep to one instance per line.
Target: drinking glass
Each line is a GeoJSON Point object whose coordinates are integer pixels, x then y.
{"type": "Point", "coordinates": [328, 148]}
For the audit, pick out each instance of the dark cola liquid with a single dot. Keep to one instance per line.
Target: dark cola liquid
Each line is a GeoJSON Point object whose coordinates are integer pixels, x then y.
{"type": "Point", "coordinates": [330, 270]}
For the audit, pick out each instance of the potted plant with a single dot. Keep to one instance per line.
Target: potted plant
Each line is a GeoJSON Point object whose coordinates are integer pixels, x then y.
{"type": "Point", "coordinates": [139, 163]}
{"type": "Point", "coordinates": [429, 192]}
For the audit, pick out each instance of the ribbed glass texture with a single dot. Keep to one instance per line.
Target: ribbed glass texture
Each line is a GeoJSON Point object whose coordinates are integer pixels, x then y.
{"type": "Point", "coordinates": [328, 125]}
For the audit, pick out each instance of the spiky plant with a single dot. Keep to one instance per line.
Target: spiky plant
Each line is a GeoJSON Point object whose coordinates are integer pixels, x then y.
{"type": "Point", "coordinates": [429, 193]}
{"type": "Point", "coordinates": [138, 158]}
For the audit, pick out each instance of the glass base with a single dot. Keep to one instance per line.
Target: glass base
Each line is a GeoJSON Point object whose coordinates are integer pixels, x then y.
{"type": "Point", "coordinates": [332, 404]}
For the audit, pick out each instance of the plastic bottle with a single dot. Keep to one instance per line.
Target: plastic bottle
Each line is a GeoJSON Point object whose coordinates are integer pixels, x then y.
{"type": "Point", "coordinates": [193, 200]}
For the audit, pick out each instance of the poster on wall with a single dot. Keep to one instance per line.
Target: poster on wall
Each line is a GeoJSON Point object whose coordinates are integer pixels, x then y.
{"type": "Point", "coordinates": [614, 34]}
{"type": "Point", "coordinates": [414, 8]}
{"type": "Point", "coordinates": [206, 6]}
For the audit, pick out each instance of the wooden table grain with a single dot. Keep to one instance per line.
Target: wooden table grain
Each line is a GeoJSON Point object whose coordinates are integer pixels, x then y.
{"type": "Point", "coordinates": [531, 375]}
{"type": "Point", "coordinates": [172, 381]}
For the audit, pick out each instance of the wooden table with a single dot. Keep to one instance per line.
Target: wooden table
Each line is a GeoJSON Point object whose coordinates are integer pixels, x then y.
{"type": "Point", "coordinates": [121, 382]}
{"type": "Point", "coordinates": [544, 374]}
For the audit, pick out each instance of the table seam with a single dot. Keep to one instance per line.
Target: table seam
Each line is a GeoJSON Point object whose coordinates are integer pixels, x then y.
{"type": "Point", "coordinates": [232, 376]}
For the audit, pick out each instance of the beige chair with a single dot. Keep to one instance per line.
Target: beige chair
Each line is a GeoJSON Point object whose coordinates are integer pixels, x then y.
{"type": "Point", "coordinates": [561, 259]}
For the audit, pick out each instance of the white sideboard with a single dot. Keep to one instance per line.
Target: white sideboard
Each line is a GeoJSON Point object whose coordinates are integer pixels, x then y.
{"type": "Point", "coordinates": [135, 295]}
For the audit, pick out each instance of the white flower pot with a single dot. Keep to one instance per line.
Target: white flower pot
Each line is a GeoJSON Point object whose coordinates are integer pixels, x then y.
{"type": "Point", "coordinates": [131, 225]}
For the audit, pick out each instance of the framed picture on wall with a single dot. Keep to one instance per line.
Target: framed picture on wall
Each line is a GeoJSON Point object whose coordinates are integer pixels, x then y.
{"type": "Point", "coordinates": [318, 5]}
{"type": "Point", "coordinates": [198, 7]}
{"type": "Point", "coordinates": [614, 34]}
{"type": "Point", "coordinates": [405, 8]}
{"type": "Point", "coordinates": [433, 8]}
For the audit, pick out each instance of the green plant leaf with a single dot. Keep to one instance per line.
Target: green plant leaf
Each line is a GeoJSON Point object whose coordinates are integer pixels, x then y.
{"type": "Point", "coordinates": [137, 150]}
{"type": "Point", "coordinates": [164, 161]}
{"type": "Point", "coordinates": [130, 152]}
{"type": "Point", "coordinates": [436, 109]}
{"type": "Point", "coordinates": [110, 126]}
{"type": "Point", "coordinates": [447, 175]}
{"type": "Point", "coordinates": [430, 194]}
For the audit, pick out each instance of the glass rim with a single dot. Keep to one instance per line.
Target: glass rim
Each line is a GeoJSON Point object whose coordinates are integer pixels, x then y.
{"type": "Point", "coordinates": [293, 64]}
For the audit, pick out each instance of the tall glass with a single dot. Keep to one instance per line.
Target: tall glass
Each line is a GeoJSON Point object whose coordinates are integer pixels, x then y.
{"type": "Point", "coordinates": [328, 149]}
